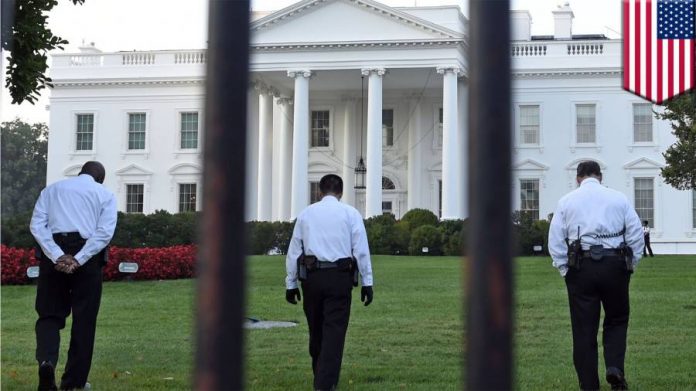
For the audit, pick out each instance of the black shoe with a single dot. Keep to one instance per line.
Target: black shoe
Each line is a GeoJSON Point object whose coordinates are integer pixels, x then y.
{"type": "Point", "coordinates": [47, 377]}
{"type": "Point", "coordinates": [616, 378]}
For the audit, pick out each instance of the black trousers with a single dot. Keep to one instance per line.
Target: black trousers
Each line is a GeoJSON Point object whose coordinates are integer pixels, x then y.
{"type": "Point", "coordinates": [598, 283]}
{"type": "Point", "coordinates": [57, 294]}
{"type": "Point", "coordinates": [647, 246]}
{"type": "Point", "coordinates": [327, 298]}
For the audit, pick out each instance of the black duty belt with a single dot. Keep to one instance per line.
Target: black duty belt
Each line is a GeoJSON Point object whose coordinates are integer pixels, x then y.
{"type": "Point", "coordinates": [607, 252]}
{"type": "Point", "coordinates": [341, 263]}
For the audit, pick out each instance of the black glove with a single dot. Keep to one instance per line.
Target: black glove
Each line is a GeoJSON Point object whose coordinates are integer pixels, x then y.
{"type": "Point", "coordinates": [291, 294]}
{"type": "Point", "coordinates": [366, 295]}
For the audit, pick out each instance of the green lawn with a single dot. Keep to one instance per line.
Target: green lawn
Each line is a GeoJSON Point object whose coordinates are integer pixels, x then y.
{"type": "Point", "coordinates": [409, 338]}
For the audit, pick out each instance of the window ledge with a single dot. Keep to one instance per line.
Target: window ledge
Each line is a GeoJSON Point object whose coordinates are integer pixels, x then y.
{"type": "Point", "coordinates": [531, 146]}
{"type": "Point", "coordinates": [139, 152]}
{"type": "Point", "coordinates": [585, 146]}
{"type": "Point", "coordinates": [74, 154]}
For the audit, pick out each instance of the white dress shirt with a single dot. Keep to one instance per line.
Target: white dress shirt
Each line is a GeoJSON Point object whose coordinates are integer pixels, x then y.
{"type": "Point", "coordinates": [329, 230]}
{"type": "Point", "coordinates": [596, 210]}
{"type": "Point", "coordinates": [77, 204]}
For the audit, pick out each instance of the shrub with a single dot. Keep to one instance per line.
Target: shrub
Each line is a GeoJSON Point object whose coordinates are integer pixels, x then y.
{"type": "Point", "coordinates": [261, 237]}
{"type": "Point", "coordinates": [419, 217]}
{"type": "Point", "coordinates": [153, 263]}
{"type": "Point", "coordinates": [528, 233]}
{"type": "Point", "coordinates": [402, 237]}
{"type": "Point", "coordinates": [380, 233]}
{"type": "Point", "coordinates": [15, 231]}
{"type": "Point", "coordinates": [425, 236]}
{"type": "Point", "coordinates": [283, 234]}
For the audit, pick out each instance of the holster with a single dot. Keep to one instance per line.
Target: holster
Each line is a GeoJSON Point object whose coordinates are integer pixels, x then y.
{"type": "Point", "coordinates": [627, 255]}
{"type": "Point", "coordinates": [301, 268]}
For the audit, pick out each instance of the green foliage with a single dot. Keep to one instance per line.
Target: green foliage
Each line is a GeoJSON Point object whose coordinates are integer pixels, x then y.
{"type": "Point", "coordinates": [160, 229]}
{"type": "Point", "coordinates": [680, 171]}
{"type": "Point", "coordinates": [419, 217]}
{"type": "Point", "coordinates": [15, 231]}
{"type": "Point", "coordinates": [24, 149]}
{"type": "Point", "coordinates": [426, 236]}
{"type": "Point", "coordinates": [528, 233]}
{"type": "Point", "coordinates": [401, 238]}
{"type": "Point", "coordinates": [380, 233]}
{"type": "Point", "coordinates": [265, 236]}
{"type": "Point", "coordinates": [29, 43]}
{"type": "Point", "coordinates": [454, 236]}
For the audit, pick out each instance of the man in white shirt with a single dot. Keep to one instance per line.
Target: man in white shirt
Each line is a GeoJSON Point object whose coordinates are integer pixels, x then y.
{"type": "Point", "coordinates": [598, 271]}
{"type": "Point", "coordinates": [327, 236]}
{"type": "Point", "coordinates": [73, 222]}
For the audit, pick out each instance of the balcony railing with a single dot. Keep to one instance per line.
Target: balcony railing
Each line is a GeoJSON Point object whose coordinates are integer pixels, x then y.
{"type": "Point", "coordinates": [561, 48]}
{"type": "Point", "coordinates": [129, 59]}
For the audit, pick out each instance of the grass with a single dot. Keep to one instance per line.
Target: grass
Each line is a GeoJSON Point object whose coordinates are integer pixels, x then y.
{"type": "Point", "coordinates": [409, 338]}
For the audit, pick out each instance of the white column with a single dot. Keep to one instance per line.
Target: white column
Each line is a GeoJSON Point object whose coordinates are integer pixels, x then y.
{"type": "Point", "coordinates": [463, 102]}
{"type": "Point", "coordinates": [349, 148]}
{"type": "Point", "coordinates": [285, 158]}
{"type": "Point", "coordinates": [265, 172]}
{"type": "Point", "coordinates": [451, 169]}
{"type": "Point", "coordinates": [300, 143]}
{"type": "Point", "coordinates": [252, 154]}
{"type": "Point", "coordinates": [373, 180]}
{"type": "Point", "coordinates": [414, 155]}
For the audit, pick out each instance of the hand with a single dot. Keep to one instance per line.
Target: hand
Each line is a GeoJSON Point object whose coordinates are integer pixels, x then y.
{"type": "Point", "coordinates": [292, 294]}
{"type": "Point", "coordinates": [366, 295]}
{"type": "Point", "coordinates": [67, 264]}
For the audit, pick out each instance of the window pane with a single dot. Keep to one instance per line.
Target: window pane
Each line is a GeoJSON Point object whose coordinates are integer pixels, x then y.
{"type": "Point", "coordinates": [438, 130]}
{"type": "Point", "coordinates": [84, 132]}
{"type": "Point", "coordinates": [529, 197]}
{"type": "Point", "coordinates": [644, 199]}
{"type": "Point", "coordinates": [529, 124]}
{"type": "Point", "coordinates": [314, 193]}
{"type": "Point", "coordinates": [642, 122]}
{"type": "Point", "coordinates": [585, 123]}
{"type": "Point", "coordinates": [388, 127]}
{"type": "Point", "coordinates": [189, 130]}
{"type": "Point", "coordinates": [187, 197]}
{"type": "Point", "coordinates": [386, 206]}
{"type": "Point", "coordinates": [136, 131]}
{"type": "Point", "coordinates": [134, 198]}
{"type": "Point", "coordinates": [320, 128]}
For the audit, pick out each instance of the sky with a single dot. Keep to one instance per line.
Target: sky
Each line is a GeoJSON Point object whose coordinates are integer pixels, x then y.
{"type": "Point", "coordinates": [182, 24]}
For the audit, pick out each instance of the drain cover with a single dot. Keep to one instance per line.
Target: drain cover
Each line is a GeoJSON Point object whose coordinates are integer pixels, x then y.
{"type": "Point", "coordinates": [266, 324]}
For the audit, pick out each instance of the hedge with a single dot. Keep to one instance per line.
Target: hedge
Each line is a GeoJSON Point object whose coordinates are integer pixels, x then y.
{"type": "Point", "coordinates": [153, 263]}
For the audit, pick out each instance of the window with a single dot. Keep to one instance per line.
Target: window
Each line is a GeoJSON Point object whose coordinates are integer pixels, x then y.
{"type": "Point", "coordinates": [320, 128]}
{"type": "Point", "coordinates": [136, 131]}
{"type": "Point", "coordinates": [85, 132]}
{"type": "Point", "coordinates": [693, 208]}
{"type": "Point", "coordinates": [388, 127]}
{"type": "Point", "coordinates": [642, 123]}
{"type": "Point", "coordinates": [386, 207]}
{"type": "Point", "coordinates": [586, 124]}
{"type": "Point", "coordinates": [439, 196]}
{"type": "Point", "coordinates": [187, 197]}
{"type": "Point", "coordinates": [189, 130]}
{"type": "Point", "coordinates": [644, 198]}
{"type": "Point", "coordinates": [529, 197]}
{"type": "Point", "coordinates": [314, 193]}
{"type": "Point", "coordinates": [387, 184]}
{"type": "Point", "coordinates": [529, 124]}
{"type": "Point", "coordinates": [134, 198]}
{"type": "Point", "coordinates": [438, 131]}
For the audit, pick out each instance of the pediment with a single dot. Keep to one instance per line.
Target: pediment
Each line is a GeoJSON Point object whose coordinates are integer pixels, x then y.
{"type": "Point", "coordinates": [133, 170]}
{"type": "Point", "coordinates": [185, 169]}
{"type": "Point", "coordinates": [530, 164]}
{"type": "Point", "coordinates": [643, 163]}
{"type": "Point", "coordinates": [319, 167]}
{"type": "Point", "coordinates": [73, 170]}
{"type": "Point", "coordinates": [572, 166]}
{"type": "Point", "coordinates": [343, 21]}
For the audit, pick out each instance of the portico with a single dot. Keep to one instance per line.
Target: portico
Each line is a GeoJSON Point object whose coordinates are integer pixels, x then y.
{"type": "Point", "coordinates": [391, 97]}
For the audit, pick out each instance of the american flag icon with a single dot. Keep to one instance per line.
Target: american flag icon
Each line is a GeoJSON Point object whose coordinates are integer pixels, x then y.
{"type": "Point", "coordinates": [659, 48]}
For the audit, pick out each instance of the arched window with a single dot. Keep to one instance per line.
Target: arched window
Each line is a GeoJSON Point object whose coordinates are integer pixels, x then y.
{"type": "Point", "coordinates": [387, 184]}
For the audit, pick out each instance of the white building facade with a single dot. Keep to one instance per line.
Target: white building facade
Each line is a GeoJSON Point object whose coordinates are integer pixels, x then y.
{"type": "Point", "coordinates": [388, 85]}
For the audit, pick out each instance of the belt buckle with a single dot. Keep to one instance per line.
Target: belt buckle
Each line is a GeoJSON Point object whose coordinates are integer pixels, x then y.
{"type": "Point", "coordinates": [596, 252]}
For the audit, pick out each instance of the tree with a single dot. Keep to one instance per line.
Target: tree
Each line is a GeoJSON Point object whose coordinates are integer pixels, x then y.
{"type": "Point", "coordinates": [24, 148]}
{"type": "Point", "coordinates": [29, 40]}
{"type": "Point", "coordinates": [680, 171]}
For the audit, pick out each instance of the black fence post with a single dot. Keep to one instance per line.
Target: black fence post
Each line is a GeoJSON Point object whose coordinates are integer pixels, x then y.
{"type": "Point", "coordinates": [489, 265]}
{"type": "Point", "coordinates": [221, 271]}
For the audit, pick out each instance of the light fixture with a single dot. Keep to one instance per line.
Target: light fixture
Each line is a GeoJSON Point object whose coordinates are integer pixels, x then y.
{"type": "Point", "coordinates": [360, 169]}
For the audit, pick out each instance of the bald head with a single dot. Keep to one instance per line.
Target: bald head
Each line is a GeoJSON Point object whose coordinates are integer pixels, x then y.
{"type": "Point", "coordinates": [95, 170]}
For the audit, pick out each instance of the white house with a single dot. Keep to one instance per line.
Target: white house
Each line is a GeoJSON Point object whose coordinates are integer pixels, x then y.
{"type": "Point", "coordinates": [336, 80]}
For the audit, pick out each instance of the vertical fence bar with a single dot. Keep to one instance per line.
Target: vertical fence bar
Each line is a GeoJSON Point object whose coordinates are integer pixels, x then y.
{"type": "Point", "coordinates": [489, 277]}
{"type": "Point", "coordinates": [220, 301]}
